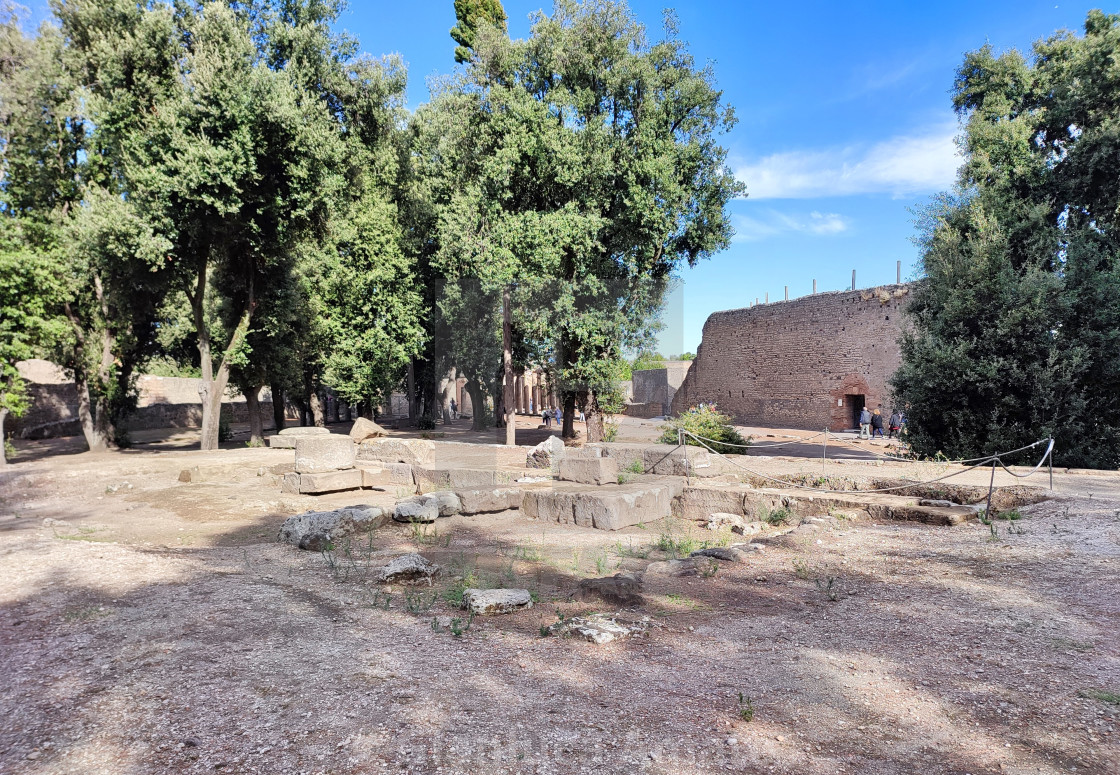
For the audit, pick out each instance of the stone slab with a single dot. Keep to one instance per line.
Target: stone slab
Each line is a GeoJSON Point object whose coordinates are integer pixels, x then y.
{"type": "Point", "coordinates": [318, 454]}
{"type": "Point", "coordinates": [601, 508]}
{"type": "Point", "coordinates": [304, 430]}
{"type": "Point", "coordinates": [431, 479]}
{"type": "Point", "coordinates": [329, 481]}
{"type": "Point", "coordinates": [486, 602]}
{"type": "Point", "coordinates": [661, 459]}
{"type": "Point", "coordinates": [590, 470]}
{"type": "Point", "coordinates": [411, 451]}
{"type": "Point", "coordinates": [698, 503]}
{"type": "Point", "coordinates": [488, 501]}
{"type": "Point", "coordinates": [318, 530]}
{"type": "Point", "coordinates": [365, 429]}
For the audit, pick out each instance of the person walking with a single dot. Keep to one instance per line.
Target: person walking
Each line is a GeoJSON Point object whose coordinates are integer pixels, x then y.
{"type": "Point", "coordinates": [865, 423]}
{"type": "Point", "coordinates": [877, 424]}
{"type": "Point", "coordinates": [454, 410]}
{"type": "Point", "coordinates": [894, 425]}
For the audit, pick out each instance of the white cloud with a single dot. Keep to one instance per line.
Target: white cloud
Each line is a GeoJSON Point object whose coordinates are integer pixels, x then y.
{"type": "Point", "coordinates": [898, 166]}
{"type": "Point", "coordinates": [771, 223]}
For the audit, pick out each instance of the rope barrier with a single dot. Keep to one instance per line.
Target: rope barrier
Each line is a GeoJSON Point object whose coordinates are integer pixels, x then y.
{"type": "Point", "coordinates": [993, 459]}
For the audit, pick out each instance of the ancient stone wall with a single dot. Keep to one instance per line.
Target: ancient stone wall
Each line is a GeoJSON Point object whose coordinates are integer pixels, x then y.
{"type": "Point", "coordinates": [807, 363]}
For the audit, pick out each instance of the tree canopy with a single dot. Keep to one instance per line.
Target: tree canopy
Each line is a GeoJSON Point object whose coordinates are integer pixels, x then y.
{"type": "Point", "coordinates": [1016, 325]}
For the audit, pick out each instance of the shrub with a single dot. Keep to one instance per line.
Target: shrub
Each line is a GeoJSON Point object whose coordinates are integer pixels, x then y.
{"type": "Point", "coordinates": [710, 423]}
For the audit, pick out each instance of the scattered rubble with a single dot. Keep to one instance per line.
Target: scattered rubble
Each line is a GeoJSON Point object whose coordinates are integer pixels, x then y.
{"type": "Point", "coordinates": [316, 530]}
{"type": "Point", "coordinates": [408, 569]}
{"type": "Point", "coordinates": [485, 602]}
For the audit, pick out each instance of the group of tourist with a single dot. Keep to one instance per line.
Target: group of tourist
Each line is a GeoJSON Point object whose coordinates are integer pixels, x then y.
{"type": "Point", "coordinates": [871, 423]}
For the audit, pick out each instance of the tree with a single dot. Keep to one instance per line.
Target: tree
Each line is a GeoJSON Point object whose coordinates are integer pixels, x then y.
{"type": "Point", "coordinates": [238, 171]}
{"type": "Point", "coordinates": [470, 15]}
{"type": "Point", "coordinates": [29, 296]}
{"type": "Point", "coordinates": [597, 175]}
{"type": "Point", "coordinates": [1016, 324]}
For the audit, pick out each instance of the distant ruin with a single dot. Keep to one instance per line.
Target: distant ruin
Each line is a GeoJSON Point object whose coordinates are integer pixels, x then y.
{"type": "Point", "coordinates": [811, 363]}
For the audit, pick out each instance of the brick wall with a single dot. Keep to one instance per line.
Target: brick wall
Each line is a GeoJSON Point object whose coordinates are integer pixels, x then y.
{"type": "Point", "coordinates": [800, 363]}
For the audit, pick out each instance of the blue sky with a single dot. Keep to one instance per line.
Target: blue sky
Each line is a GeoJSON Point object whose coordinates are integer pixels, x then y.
{"type": "Point", "coordinates": [844, 123]}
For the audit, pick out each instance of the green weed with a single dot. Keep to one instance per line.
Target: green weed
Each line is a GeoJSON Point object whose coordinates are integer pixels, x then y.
{"type": "Point", "coordinates": [746, 708]}
{"type": "Point", "coordinates": [1112, 698]}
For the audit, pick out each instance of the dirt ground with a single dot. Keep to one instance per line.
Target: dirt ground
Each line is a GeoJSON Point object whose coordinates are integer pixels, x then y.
{"type": "Point", "coordinates": [151, 626]}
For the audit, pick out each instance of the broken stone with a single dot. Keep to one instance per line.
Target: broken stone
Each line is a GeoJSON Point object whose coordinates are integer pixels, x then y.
{"type": "Point", "coordinates": [700, 503]}
{"type": "Point", "coordinates": [318, 454]}
{"type": "Point", "coordinates": [722, 519]}
{"type": "Point", "coordinates": [365, 429]}
{"type": "Point", "coordinates": [488, 501]}
{"type": "Point", "coordinates": [599, 629]}
{"type": "Point", "coordinates": [672, 568]}
{"type": "Point", "coordinates": [546, 454]}
{"type": "Point", "coordinates": [289, 485]}
{"type": "Point", "coordinates": [408, 569]}
{"type": "Point", "coordinates": [596, 470]}
{"type": "Point", "coordinates": [417, 509]}
{"type": "Point", "coordinates": [621, 589]}
{"type": "Point", "coordinates": [930, 502]}
{"type": "Point", "coordinates": [329, 481]}
{"type": "Point", "coordinates": [726, 554]}
{"type": "Point", "coordinates": [484, 602]}
{"type": "Point", "coordinates": [411, 451]}
{"type": "Point", "coordinates": [316, 530]}
{"type": "Point", "coordinates": [747, 528]}
{"type": "Point", "coordinates": [447, 503]}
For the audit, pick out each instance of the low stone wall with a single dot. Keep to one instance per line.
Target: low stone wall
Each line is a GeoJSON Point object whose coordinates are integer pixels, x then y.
{"type": "Point", "coordinates": [644, 411]}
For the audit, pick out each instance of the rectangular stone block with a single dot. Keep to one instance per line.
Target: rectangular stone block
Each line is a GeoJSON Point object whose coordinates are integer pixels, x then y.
{"type": "Point", "coordinates": [606, 509]}
{"type": "Point", "coordinates": [411, 451]}
{"type": "Point", "coordinates": [330, 481]}
{"type": "Point", "coordinates": [318, 454]}
{"type": "Point", "coordinates": [698, 503]}
{"type": "Point", "coordinates": [489, 501]}
{"type": "Point", "coordinates": [290, 484]}
{"type": "Point", "coordinates": [664, 459]}
{"type": "Point", "coordinates": [282, 442]}
{"type": "Point", "coordinates": [433, 479]}
{"type": "Point", "coordinates": [375, 477]}
{"type": "Point", "coordinates": [401, 474]}
{"type": "Point", "coordinates": [591, 470]}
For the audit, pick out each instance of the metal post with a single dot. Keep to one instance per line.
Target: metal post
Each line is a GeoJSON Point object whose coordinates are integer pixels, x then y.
{"type": "Point", "coordinates": [768, 297]}
{"type": "Point", "coordinates": [898, 272]}
{"type": "Point", "coordinates": [824, 451]}
{"type": "Point", "coordinates": [814, 285]}
{"type": "Point", "coordinates": [853, 279]}
{"type": "Point", "coordinates": [787, 293]}
{"type": "Point", "coordinates": [988, 509]}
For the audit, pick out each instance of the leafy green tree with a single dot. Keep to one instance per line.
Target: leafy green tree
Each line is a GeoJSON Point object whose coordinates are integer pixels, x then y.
{"type": "Point", "coordinates": [470, 15]}
{"type": "Point", "coordinates": [1016, 324]}
{"type": "Point", "coordinates": [30, 292]}
{"type": "Point", "coordinates": [238, 171]}
{"type": "Point", "coordinates": [591, 175]}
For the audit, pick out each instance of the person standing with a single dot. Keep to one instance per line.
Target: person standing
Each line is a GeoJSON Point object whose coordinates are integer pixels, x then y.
{"type": "Point", "coordinates": [865, 423]}
{"type": "Point", "coordinates": [546, 415]}
{"type": "Point", "coordinates": [454, 410]}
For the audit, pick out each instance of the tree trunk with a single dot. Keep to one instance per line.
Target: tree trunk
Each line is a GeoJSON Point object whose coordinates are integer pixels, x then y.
{"type": "Point", "coordinates": [595, 428]}
{"type": "Point", "coordinates": [3, 439]}
{"type": "Point", "coordinates": [569, 399]}
{"type": "Point", "coordinates": [478, 404]}
{"type": "Point", "coordinates": [447, 394]}
{"type": "Point", "coordinates": [318, 411]}
{"type": "Point", "coordinates": [92, 429]}
{"type": "Point", "coordinates": [413, 398]}
{"type": "Point", "coordinates": [256, 423]}
{"type": "Point", "coordinates": [507, 370]}
{"type": "Point", "coordinates": [212, 387]}
{"type": "Point", "coordinates": [278, 412]}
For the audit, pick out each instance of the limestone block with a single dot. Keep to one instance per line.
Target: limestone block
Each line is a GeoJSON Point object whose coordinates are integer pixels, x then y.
{"type": "Point", "coordinates": [286, 439]}
{"type": "Point", "coordinates": [489, 501]}
{"type": "Point", "coordinates": [598, 628]}
{"type": "Point", "coordinates": [664, 459]}
{"type": "Point", "coordinates": [604, 509]}
{"type": "Point", "coordinates": [431, 479]}
{"type": "Point", "coordinates": [720, 519]}
{"type": "Point", "coordinates": [592, 470]}
{"type": "Point", "coordinates": [698, 503]}
{"type": "Point", "coordinates": [401, 474]}
{"type": "Point", "coordinates": [316, 530]}
{"type": "Point", "coordinates": [375, 476]}
{"type": "Point", "coordinates": [411, 451]}
{"type": "Point", "coordinates": [316, 454]}
{"type": "Point", "coordinates": [416, 509]}
{"type": "Point", "coordinates": [546, 454]}
{"type": "Point", "coordinates": [621, 589]}
{"type": "Point", "coordinates": [484, 602]}
{"type": "Point", "coordinates": [289, 485]}
{"type": "Point", "coordinates": [329, 481]}
{"type": "Point", "coordinates": [408, 569]}
{"type": "Point", "coordinates": [447, 502]}
{"type": "Point", "coordinates": [304, 430]}
{"type": "Point", "coordinates": [365, 429]}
